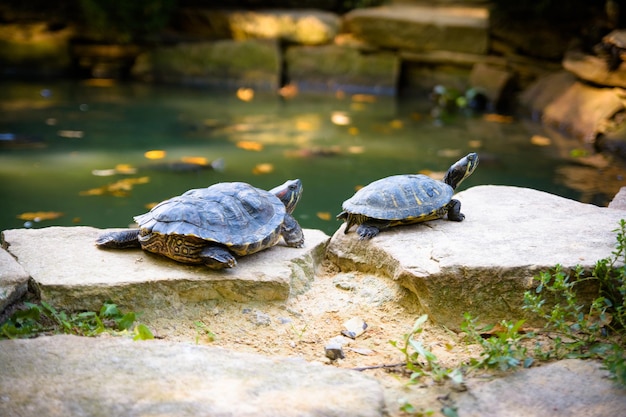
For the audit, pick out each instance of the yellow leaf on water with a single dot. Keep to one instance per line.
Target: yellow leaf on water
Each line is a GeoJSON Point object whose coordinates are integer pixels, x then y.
{"type": "Point", "coordinates": [539, 140]}
{"type": "Point", "coordinates": [40, 215]}
{"type": "Point", "coordinates": [125, 169]}
{"type": "Point", "coordinates": [150, 206]}
{"type": "Point", "coordinates": [364, 98]}
{"type": "Point", "coordinates": [71, 134]}
{"type": "Point", "coordinates": [356, 149]}
{"type": "Point", "coordinates": [324, 215]}
{"type": "Point", "coordinates": [155, 154]}
{"type": "Point", "coordinates": [353, 130]}
{"type": "Point", "coordinates": [265, 168]}
{"type": "Point", "coordinates": [396, 124]}
{"type": "Point", "coordinates": [497, 118]}
{"type": "Point", "coordinates": [99, 82]}
{"type": "Point", "coordinates": [245, 94]}
{"type": "Point", "coordinates": [197, 160]}
{"type": "Point", "coordinates": [340, 118]}
{"type": "Point", "coordinates": [249, 145]}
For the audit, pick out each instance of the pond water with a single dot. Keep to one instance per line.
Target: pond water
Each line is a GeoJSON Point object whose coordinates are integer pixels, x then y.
{"type": "Point", "coordinates": [94, 153]}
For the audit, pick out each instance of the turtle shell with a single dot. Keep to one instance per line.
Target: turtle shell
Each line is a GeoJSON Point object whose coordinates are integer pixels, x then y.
{"type": "Point", "coordinates": [400, 197]}
{"type": "Point", "coordinates": [242, 217]}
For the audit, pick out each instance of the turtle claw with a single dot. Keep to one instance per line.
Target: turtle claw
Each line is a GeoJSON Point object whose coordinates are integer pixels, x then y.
{"type": "Point", "coordinates": [366, 232]}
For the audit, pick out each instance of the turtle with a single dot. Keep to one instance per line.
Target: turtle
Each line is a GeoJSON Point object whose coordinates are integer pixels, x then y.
{"type": "Point", "coordinates": [613, 49]}
{"type": "Point", "coordinates": [406, 199]}
{"type": "Point", "coordinates": [211, 225]}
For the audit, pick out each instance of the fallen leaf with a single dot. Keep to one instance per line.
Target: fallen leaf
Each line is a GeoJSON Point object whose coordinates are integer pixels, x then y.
{"type": "Point", "coordinates": [265, 168]}
{"type": "Point", "coordinates": [353, 130]}
{"type": "Point", "coordinates": [497, 118]}
{"type": "Point", "coordinates": [71, 134]}
{"type": "Point", "coordinates": [539, 140]}
{"type": "Point", "coordinates": [396, 124]}
{"type": "Point", "coordinates": [119, 188]}
{"type": "Point", "coordinates": [340, 118]}
{"type": "Point", "coordinates": [125, 169]}
{"type": "Point", "coordinates": [364, 98]}
{"type": "Point", "coordinates": [40, 215]}
{"type": "Point", "coordinates": [99, 82]}
{"type": "Point", "coordinates": [324, 215]}
{"type": "Point", "coordinates": [249, 145]}
{"type": "Point", "coordinates": [155, 154]}
{"type": "Point", "coordinates": [197, 160]}
{"type": "Point", "coordinates": [245, 94]}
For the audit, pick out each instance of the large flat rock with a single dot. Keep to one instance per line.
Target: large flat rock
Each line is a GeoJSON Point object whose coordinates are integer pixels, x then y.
{"type": "Point", "coordinates": [566, 388]}
{"type": "Point", "coordinates": [70, 271]}
{"type": "Point", "coordinates": [74, 376]}
{"type": "Point", "coordinates": [484, 264]}
{"type": "Point", "coordinates": [423, 27]}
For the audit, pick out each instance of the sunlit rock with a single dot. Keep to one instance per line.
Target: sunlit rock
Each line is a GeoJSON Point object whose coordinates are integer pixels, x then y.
{"type": "Point", "coordinates": [119, 377]}
{"type": "Point", "coordinates": [13, 280]}
{"type": "Point", "coordinates": [422, 28]}
{"type": "Point", "coordinates": [594, 69]}
{"type": "Point", "coordinates": [484, 264]}
{"type": "Point", "coordinates": [574, 108]}
{"type": "Point", "coordinates": [35, 48]}
{"type": "Point", "coordinates": [69, 270]}
{"type": "Point", "coordinates": [307, 27]}
{"type": "Point", "coordinates": [251, 63]}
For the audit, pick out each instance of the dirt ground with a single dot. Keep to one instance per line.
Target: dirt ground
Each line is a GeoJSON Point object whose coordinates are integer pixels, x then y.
{"type": "Point", "coordinates": [304, 324]}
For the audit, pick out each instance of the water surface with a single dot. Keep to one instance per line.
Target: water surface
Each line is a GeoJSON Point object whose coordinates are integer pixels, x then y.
{"type": "Point", "coordinates": [63, 140]}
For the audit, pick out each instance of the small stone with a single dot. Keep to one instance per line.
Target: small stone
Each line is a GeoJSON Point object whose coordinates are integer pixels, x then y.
{"type": "Point", "coordinates": [334, 351]}
{"type": "Point", "coordinates": [354, 327]}
{"type": "Point", "coordinates": [260, 319]}
{"type": "Point", "coordinates": [345, 285]}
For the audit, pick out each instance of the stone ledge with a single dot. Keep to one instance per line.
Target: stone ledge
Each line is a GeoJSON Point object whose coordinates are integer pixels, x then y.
{"type": "Point", "coordinates": [484, 264]}
{"type": "Point", "coordinates": [70, 271]}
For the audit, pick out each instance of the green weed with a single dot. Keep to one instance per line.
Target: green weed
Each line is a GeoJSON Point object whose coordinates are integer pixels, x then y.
{"type": "Point", "coordinates": [42, 318]}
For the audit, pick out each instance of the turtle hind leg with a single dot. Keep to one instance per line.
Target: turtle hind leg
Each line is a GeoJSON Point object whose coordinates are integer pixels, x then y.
{"type": "Point", "coordinates": [454, 211]}
{"type": "Point", "coordinates": [217, 257]}
{"type": "Point", "coordinates": [119, 240]}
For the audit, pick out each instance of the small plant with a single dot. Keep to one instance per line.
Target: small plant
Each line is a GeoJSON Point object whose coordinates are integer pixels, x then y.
{"type": "Point", "coordinates": [204, 331]}
{"type": "Point", "coordinates": [596, 331]}
{"type": "Point", "coordinates": [503, 349]}
{"type": "Point", "coordinates": [420, 361]}
{"type": "Point", "coordinates": [42, 318]}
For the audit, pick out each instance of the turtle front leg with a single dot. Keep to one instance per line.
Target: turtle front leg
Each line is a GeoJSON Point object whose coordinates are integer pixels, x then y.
{"type": "Point", "coordinates": [217, 257]}
{"type": "Point", "coordinates": [370, 229]}
{"type": "Point", "coordinates": [292, 232]}
{"type": "Point", "coordinates": [454, 211]}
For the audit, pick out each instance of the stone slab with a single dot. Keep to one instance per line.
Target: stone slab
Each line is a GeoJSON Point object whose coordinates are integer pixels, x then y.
{"type": "Point", "coordinates": [106, 376]}
{"type": "Point", "coordinates": [224, 63]}
{"type": "Point", "coordinates": [13, 280]}
{"type": "Point", "coordinates": [484, 264]}
{"type": "Point", "coordinates": [70, 271]}
{"type": "Point", "coordinates": [566, 388]}
{"type": "Point", "coordinates": [422, 27]}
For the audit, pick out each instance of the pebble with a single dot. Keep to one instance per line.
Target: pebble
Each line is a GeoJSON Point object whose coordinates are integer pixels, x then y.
{"type": "Point", "coordinates": [354, 327]}
{"type": "Point", "coordinates": [334, 350]}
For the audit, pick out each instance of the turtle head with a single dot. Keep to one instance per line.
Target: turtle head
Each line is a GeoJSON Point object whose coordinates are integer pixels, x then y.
{"type": "Point", "coordinates": [462, 169]}
{"type": "Point", "coordinates": [289, 193]}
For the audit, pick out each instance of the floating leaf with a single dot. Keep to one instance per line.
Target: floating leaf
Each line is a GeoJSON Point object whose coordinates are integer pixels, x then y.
{"type": "Point", "coordinates": [99, 82]}
{"type": "Point", "coordinates": [475, 143]}
{"type": "Point", "coordinates": [155, 154]}
{"type": "Point", "coordinates": [71, 134]}
{"type": "Point", "coordinates": [539, 140]}
{"type": "Point", "coordinates": [288, 91]}
{"type": "Point", "coordinates": [355, 150]}
{"type": "Point", "coordinates": [396, 124]}
{"type": "Point", "coordinates": [249, 145]}
{"type": "Point", "coordinates": [38, 216]}
{"type": "Point", "coordinates": [245, 94]}
{"type": "Point", "coordinates": [324, 215]}
{"type": "Point", "coordinates": [125, 169]}
{"type": "Point", "coordinates": [103, 172]}
{"type": "Point", "coordinates": [340, 118]}
{"type": "Point", "coordinates": [497, 118]}
{"type": "Point", "coordinates": [353, 130]}
{"type": "Point", "coordinates": [119, 188]}
{"type": "Point", "coordinates": [265, 168]}
{"type": "Point", "coordinates": [197, 160]}
{"type": "Point", "coordinates": [364, 98]}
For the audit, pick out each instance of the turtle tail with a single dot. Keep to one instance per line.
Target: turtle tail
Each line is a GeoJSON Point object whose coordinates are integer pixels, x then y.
{"type": "Point", "coordinates": [119, 240]}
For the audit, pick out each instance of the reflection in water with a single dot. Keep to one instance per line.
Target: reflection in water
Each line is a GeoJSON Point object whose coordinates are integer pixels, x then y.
{"type": "Point", "coordinates": [99, 154]}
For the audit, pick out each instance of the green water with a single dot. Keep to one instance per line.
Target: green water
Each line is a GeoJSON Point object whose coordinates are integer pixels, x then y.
{"type": "Point", "coordinates": [64, 132]}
